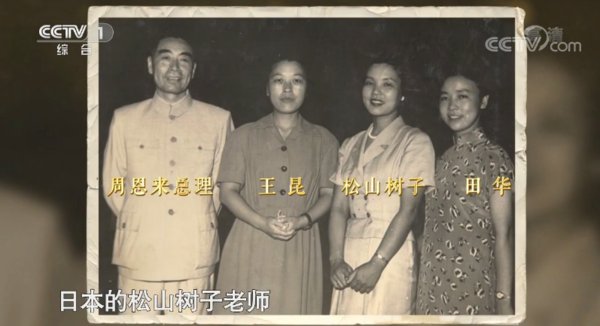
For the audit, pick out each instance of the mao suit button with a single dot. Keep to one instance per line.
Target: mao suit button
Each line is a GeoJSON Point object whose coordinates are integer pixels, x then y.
{"type": "Point", "coordinates": [172, 117]}
{"type": "Point", "coordinates": [282, 192]}
{"type": "Point", "coordinates": [171, 212]}
{"type": "Point", "coordinates": [173, 139]}
{"type": "Point", "coordinates": [283, 148]}
{"type": "Point", "coordinates": [284, 168]}
{"type": "Point", "coordinates": [142, 146]}
{"type": "Point", "coordinates": [172, 163]}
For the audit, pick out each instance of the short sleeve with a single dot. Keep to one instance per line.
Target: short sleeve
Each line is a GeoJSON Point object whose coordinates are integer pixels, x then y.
{"type": "Point", "coordinates": [337, 177]}
{"type": "Point", "coordinates": [418, 159]}
{"type": "Point", "coordinates": [233, 159]}
{"type": "Point", "coordinates": [226, 128]}
{"type": "Point", "coordinates": [329, 158]}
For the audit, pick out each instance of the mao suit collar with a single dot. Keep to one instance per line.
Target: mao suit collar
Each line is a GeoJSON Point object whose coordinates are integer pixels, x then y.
{"type": "Point", "coordinates": [172, 110]}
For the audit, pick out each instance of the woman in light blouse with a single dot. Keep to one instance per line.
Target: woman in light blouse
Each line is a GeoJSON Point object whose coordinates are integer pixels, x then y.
{"type": "Point", "coordinates": [372, 246]}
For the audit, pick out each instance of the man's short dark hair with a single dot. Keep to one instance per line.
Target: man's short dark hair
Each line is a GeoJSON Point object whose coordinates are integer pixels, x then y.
{"type": "Point", "coordinates": [164, 37]}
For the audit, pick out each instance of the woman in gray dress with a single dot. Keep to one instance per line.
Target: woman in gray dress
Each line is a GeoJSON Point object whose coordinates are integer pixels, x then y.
{"type": "Point", "coordinates": [274, 178]}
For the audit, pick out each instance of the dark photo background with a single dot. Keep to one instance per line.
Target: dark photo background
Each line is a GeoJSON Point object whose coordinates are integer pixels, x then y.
{"type": "Point", "coordinates": [235, 55]}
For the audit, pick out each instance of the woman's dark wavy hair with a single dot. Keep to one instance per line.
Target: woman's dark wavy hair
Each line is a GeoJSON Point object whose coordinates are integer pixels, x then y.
{"type": "Point", "coordinates": [479, 71]}
{"type": "Point", "coordinates": [398, 61]}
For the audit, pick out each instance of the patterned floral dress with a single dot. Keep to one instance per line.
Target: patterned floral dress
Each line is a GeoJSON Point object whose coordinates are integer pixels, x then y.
{"type": "Point", "coordinates": [457, 272]}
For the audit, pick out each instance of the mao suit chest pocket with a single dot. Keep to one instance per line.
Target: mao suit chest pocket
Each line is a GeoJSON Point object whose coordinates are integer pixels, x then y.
{"type": "Point", "coordinates": [199, 157]}
{"type": "Point", "coordinates": [142, 153]}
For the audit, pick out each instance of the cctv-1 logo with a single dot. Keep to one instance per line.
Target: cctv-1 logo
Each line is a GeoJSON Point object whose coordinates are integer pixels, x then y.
{"type": "Point", "coordinates": [70, 32]}
{"type": "Point", "coordinates": [63, 32]}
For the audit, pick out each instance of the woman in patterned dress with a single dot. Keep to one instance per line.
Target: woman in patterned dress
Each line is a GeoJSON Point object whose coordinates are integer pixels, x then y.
{"type": "Point", "coordinates": [371, 243]}
{"type": "Point", "coordinates": [467, 255]}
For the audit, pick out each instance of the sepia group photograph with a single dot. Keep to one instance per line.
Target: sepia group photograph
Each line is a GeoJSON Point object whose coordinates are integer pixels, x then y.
{"type": "Point", "coordinates": [307, 165]}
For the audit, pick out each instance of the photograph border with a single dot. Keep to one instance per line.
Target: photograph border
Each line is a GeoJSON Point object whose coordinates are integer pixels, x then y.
{"type": "Point", "coordinates": [95, 13]}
